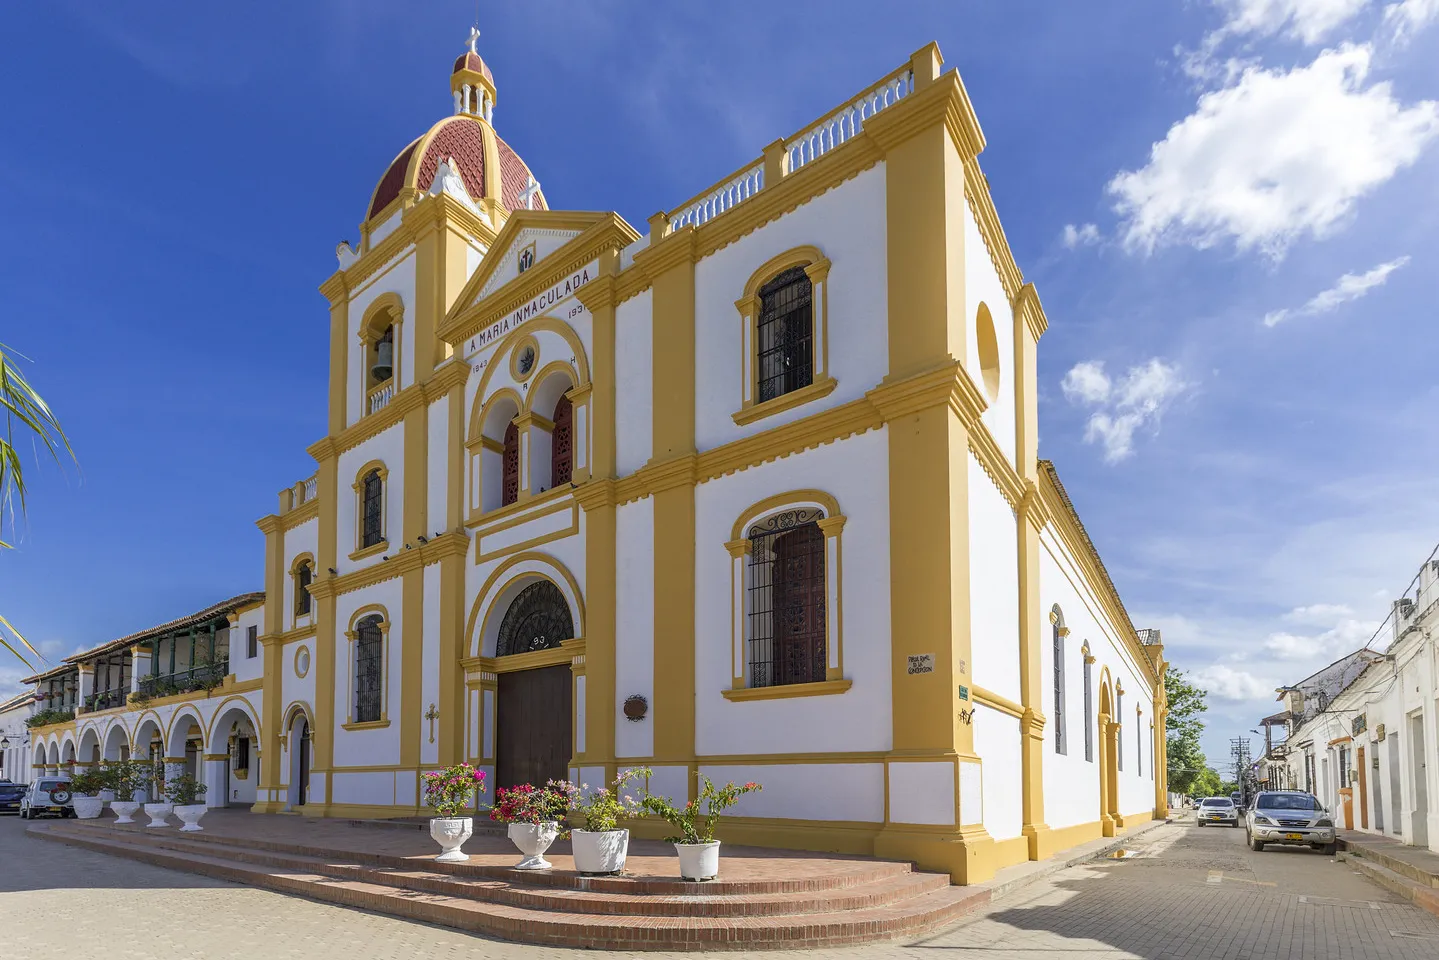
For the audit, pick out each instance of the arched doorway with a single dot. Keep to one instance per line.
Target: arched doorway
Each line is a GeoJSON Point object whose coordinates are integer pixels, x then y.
{"type": "Point", "coordinates": [1108, 762]}
{"type": "Point", "coordinates": [299, 744]}
{"type": "Point", "coordinates": [533, 713]}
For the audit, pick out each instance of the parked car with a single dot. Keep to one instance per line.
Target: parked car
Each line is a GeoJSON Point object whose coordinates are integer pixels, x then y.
{"type": "Point", "coordinates": [10, 796]}
{"type": "Point", "coordinates": [48, 795]}
{"type": "Point", "coordinates": [1217, 811]}
{"type": "Point", "coordinates": [1292, 818]}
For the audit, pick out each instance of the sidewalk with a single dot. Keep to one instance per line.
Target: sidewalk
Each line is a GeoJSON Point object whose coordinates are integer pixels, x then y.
{"type": "Point", "coordinates": [1412, 872]}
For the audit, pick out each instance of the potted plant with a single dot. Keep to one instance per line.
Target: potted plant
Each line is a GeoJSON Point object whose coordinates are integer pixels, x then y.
{"type": "Point", "coordinates": [533, 815]}
{"type": "Point", "coordinates": [450, 792]}
{"type": "Point", "coordinates": [601, 847]}
{"type": "Point", "coordinates": [127, 778]}
{"type": "Point", "coordinates": [154, 785]}
{"type": "Point", "coordinates": [696, 844]}
{"type": "Point", "coordinates": [184, 793]}
{"type": "Point", "coordinates": [85, 788]}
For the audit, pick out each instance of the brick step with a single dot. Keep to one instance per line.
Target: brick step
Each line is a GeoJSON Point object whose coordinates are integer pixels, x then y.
{"type": "Point", "coordinates": [514, 891]}
{"type": "Point", "coordinates": [909, 917]}
{"type": "Point", "coordinates": [864, 872]}
{"type": "Point", "coordinates": [1420, 894]}
{"type": "Point", "coordinates": [1402, 867]}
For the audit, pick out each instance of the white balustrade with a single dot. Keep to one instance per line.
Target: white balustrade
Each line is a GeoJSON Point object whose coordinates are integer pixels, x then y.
{"type": "Point", "coordinates": [727, 195]}
{"type": "Point", "coordinates": [311, 485]}
{"type": "Point", "coordinates": [380, 397]}
{"type": "Point", "coordinates": [848, 120]}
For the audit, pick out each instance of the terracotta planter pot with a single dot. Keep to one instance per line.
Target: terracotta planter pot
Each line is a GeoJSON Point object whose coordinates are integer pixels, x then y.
{"type": "Point", "coordinates": [699, 861]}
{"type": "Point", "coordinates": [124, 810]}
{"type": "Point", "coordinates": [88, 808]}
{"type": "Point", "coordinates": [190, 814]}
{"type": "Point", "coordinates": [158, 812]}
{"type": "Point", "coordinates": [451, 833]}
{"type": "Point", "coordinates": [533, 839]}
{"type": "Point", "coordinates": [601, 851]}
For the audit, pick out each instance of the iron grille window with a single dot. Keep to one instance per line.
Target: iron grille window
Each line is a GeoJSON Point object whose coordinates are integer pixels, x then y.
{"type": "Point", "coordinates": [562, 446]}
{"type": "Point", "coordinates": [538, 619]}
{"type": "Point", "coordinates": [1088, 713]}
{"type": "Point", "coordinates": [511, 482]}
{"type": "Point", "coordinates": [785, 335]}
{"type": "Point", "coordinates": [787, 599]}
{"type": "Point", "coordinates": [1060, 746]}
{"type": "Point", "coordinates": [242, 754]}
{"type": "Point", "coordinates": [302, 590]}
{"type": "Point", "coordinates": [252, 642]}
{"type": "Point", "coordinates": [372, 516]}
{"type": "Point", "coordinates": [369, 670]}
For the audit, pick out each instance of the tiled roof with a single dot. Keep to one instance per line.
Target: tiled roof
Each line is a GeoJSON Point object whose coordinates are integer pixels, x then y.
{"type": "Point", "coordinates": [393, 179]}
{"type": "Point", "coordinates": [462, 139]}
{"type": "Point", "coordinates": [514, 175]}
{"type": "Point", "coordinates": [19, 700]}
{"type": "Point", "coordinates": [473, 61]}
{"type": "Point", "coordinates": [210, 612]}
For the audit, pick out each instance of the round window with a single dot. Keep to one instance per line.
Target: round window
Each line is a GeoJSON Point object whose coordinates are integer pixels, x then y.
{"type": "Point", "coordinates": [988, 346]}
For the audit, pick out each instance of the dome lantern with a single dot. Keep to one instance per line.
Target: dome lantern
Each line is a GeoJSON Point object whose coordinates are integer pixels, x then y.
{"type": "Point", "coordinates": [472, 83]}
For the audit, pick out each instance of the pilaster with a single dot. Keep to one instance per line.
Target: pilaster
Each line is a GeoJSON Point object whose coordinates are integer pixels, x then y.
{"type": "Point", "coordinates": [273, 626]}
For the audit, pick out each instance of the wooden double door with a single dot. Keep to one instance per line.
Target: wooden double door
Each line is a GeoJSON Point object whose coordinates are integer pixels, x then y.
{"type": "Point", "coordinates": [533, 726]}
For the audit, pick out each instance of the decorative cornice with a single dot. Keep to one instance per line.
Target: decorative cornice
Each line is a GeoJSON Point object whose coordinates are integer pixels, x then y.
{"type": "Point", "coordinates": [948, 384]}
{"type": "Point", "coordinates": [452, 544]}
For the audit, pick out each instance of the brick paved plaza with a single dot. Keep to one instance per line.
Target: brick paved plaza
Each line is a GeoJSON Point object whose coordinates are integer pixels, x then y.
{"type": "Point", "coordinates": [1189, 894]}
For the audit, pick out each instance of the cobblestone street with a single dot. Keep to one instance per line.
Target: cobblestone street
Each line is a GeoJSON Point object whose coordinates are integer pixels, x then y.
{"type": "Point", "coordinates": [1190, 893]}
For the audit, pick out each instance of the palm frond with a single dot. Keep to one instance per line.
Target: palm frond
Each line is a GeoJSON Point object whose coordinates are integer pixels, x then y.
{"type": "Point", "coordinates": [7, 626]}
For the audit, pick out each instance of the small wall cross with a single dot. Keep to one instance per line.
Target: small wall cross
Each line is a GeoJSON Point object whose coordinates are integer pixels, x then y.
{"type": "Point", "coordinates": [432, 715]}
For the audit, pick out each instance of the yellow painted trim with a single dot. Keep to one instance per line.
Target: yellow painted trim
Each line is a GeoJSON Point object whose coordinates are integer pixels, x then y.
{"type": "Point", "coordinates": [296, 517]}
{"type": "Point", "coordinates": [527, 340]}
{"type": "Point", "coordinates": [193, 714]}
{"type": "Point", "coordinates": [531, 660]}
{"type": "Point", "coordinates": [368, 725]}
{"type": "Point", "coordinates": [295, 663]}
{"type": "Point", "coordinates": [225, 706]}
{"type": "Point", "coordinates": [550, 563]}
{"type": "Point", "coordinates": [572, 530]}
{"type": "Point", "coordinates": [418, 394]}
{"type": "Point", "coordinates": [996, 702]}
{"type": "Point", "coordinates": [821, 387]}
{"type": "Point", "coordinates": [370, 551]}
{"type": "Point", "coordinates": [780, 502]}
{"type": "Point", "coordinates": [782, 691]}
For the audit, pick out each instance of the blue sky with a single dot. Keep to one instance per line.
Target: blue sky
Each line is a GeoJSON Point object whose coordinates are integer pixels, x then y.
{"type": "Point", "coordinates": [1229, 207]}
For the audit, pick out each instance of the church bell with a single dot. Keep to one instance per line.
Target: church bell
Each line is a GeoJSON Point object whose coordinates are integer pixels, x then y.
{"type": "Point", "coordinates": [384, 358]}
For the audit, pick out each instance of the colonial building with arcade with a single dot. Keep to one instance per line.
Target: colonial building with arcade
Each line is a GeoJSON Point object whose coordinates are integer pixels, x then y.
{"type": "Point", "coordinates": [751, 490]}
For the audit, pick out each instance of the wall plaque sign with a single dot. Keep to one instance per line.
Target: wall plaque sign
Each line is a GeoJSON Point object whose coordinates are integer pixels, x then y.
{"type": "Point", "coordinates": [920, 663]}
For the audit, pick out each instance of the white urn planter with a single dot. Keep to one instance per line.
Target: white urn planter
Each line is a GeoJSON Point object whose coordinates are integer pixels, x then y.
{"type": "Point", "coordinates": [451, 833]}
{"type": "Point", "coordinates": [533, 839]}
{"type": "Point", "coordinates": [190, 814]}
{"type": "Point", "coordinates": [600, 851]}
{"type": "Point", "coordinates": [699, 861]}
{"type": "Point", "coordinates": [124, 810]}
{"type": "Point", "coordinates": [158, 812]}
{"type": "Point", "coordinates": [88, 808]}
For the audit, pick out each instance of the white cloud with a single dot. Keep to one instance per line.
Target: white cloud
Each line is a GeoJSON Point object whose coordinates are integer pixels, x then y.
{"type": "Point", "coordinates": [1319, 614]}
{"type": "Point", "coordinates": [1344, 637]}
{"type": "Point", "coordinates": [1273, 156]}
{"type": "Point", "coordinates": [1407, 17]}
{"type": "Point", "coordinates": [1223, 682]}
{"type": "Point", "coordinates": [1307, 20]}
{"type": "Point", "coordinates": [1351, 286]}
{"type": "Point", "coordinates": [1084, 235]}
{"type": "Point", "coordinates": [1139, 399]}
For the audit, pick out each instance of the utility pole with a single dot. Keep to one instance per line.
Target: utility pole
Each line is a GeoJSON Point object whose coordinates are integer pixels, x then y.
{"type": "Point", "coordinates": [1239, 756]}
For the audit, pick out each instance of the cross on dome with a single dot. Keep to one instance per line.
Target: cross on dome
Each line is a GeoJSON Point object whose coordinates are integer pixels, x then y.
{"type": "Point", "coordinates": [528, 194]}
{"type": "Point", "coordinates": [474, 39]}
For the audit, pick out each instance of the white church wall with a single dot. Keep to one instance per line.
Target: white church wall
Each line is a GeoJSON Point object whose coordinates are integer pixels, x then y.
{"type": "Point", "coordinates": [922, 792]}
{"type": "Point", "coordinates": [997, 742]}
{"type": "Point", "coordinates": [634, 623]}
{"type": "Point", "coordinates": [982, 285]}
{"type": "Point", "coordinates": [993, 586]}
{"type": "Point", "coordinates": [848, 225]}
{"type": "Point", "coordinates": [855, 471]}
{"type": "Point", "coordinates": [398, 277]}
{"type": "Point", "coordinates": [634, 386]}
{"type": "Point", "coordinates": [388, 447]}
{"type": "Point", "coordinates": [300, 540]}
{"type": "Point", "coordinates": [437, 491]}
{"type": "Point", "coordinates": [807, 791]}
{"type": "Point", "coordinates": [242, 666]}
{"type": "Point", "coordinates": [369, 747]}
{"type": "Point", "coordinates": [430, 663]}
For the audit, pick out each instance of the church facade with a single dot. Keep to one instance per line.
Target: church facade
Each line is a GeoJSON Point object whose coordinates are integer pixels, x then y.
{"type": "Point", "coordinates": [752, 492]}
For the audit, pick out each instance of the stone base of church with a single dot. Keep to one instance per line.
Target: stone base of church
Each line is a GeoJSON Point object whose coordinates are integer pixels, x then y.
{"type": "Point", "coordinates": [968, 854]}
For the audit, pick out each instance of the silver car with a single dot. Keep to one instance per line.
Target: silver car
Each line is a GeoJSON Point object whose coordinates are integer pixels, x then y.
{"type": "Point", "coordinates": [47, 795]}
{"type": "Point", "coordinates": [1291, 818]}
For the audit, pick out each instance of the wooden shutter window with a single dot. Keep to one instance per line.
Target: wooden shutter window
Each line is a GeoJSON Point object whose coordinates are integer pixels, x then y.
{"type": "Point", "coordinates": [511, 485]}
{"type": "Point", "coordinates": [562, 445]}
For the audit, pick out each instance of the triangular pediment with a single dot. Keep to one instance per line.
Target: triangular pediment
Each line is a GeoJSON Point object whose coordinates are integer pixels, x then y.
{"type": "Point", "coordinates": [534, 234]}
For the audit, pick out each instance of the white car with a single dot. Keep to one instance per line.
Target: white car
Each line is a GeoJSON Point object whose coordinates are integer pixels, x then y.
{"type": "Point", "coordinates": [48, 795]}
{"type": "Point", "coordinates": [1217, 812]}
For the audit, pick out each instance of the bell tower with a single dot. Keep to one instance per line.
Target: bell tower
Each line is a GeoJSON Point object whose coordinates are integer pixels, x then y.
{"type": "Point", "coordinates": [472, 84]}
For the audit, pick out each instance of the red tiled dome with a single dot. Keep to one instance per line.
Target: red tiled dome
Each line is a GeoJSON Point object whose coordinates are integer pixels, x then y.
{"type": "Point", "coordinates": [462, 139]}
{"type": "Point", "coordinates": [472, 62]}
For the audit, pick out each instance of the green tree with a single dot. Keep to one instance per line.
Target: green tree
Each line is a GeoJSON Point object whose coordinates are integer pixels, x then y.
{"type": "Point", "coordinates": [25, 413]}
{"type": "Point", "coordinates": [1183, 726]}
